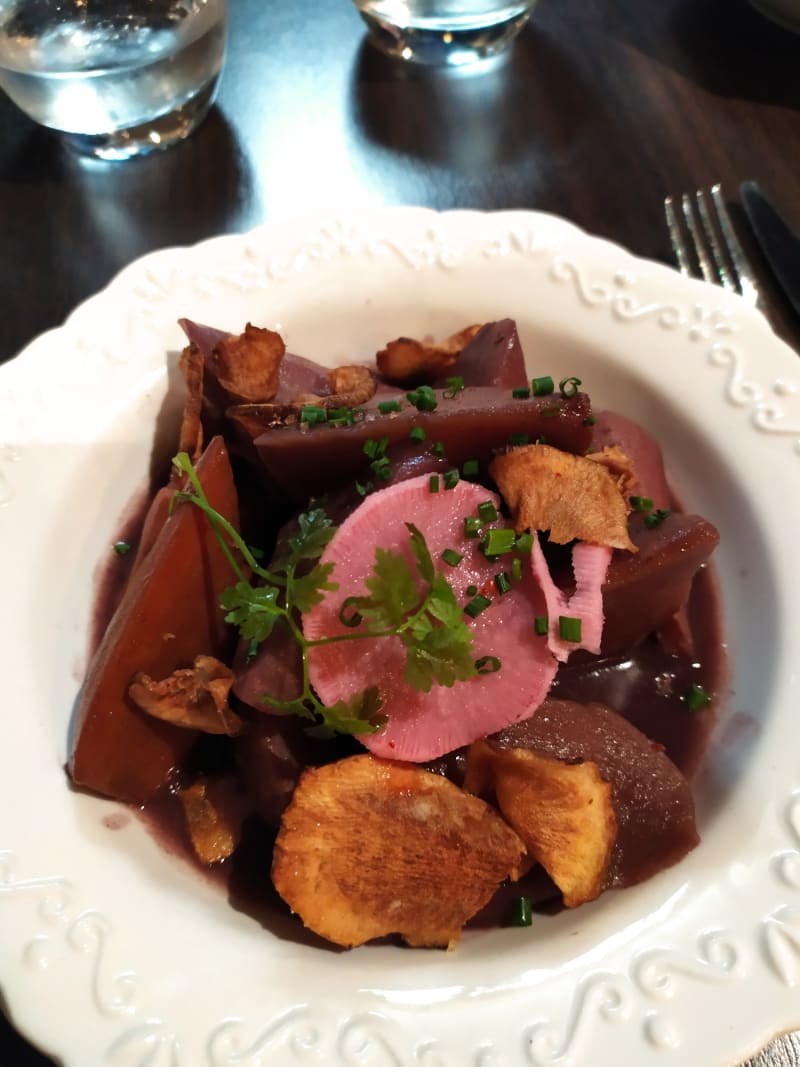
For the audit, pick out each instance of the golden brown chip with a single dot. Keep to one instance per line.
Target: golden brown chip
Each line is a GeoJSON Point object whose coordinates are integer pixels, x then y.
{"type": "Point", "coordinates": [350, 385]}
{"type": "Point", "coordinates": [619, 464]}
{"type": "Point", "coordinates": [405, 359]}
{"type": "Point", "coordinates": [213, 833]}
{"type": "Point", "coordinates": [571, 496]}
{"type": "Point", "coordinates": [248, 366]}
{"type": "Point", "coordinates": [562, 811]}
{"type": "Point", "coordinates": [191, 365]}
{"type": "Point", "coordinates": [368, 847]}
{"type": "Point", "coordinates": [195, 698]}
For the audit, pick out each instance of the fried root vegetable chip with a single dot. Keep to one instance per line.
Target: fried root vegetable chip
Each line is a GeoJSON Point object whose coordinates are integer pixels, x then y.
{"type": "Point", "coordinates": [571, 496]}
{"type": "Point", "coordinates": [407, 360]}
{"type": "Point", "coordinates": [562, 811]}
{"type": "Point", "coordinates": [368, 847]}
{"type": "Point", "coordinates": [192, 365]}
{"type": "Point", "coordinates": [213, 834]}
{"type": "Point", "coordinates": [248, 366]}
{"type": "Point", "coordinates": [195, 698]}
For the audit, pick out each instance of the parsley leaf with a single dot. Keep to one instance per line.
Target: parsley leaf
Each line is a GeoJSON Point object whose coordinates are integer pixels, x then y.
{"type": "Point", "coordinates": [254, 609]}
{"type": "Point", "coordinates": [309, 590]}
{"type": "Point", "coordinates": [393, 592]}
{"type": "Point", "coordinates": [421, 554]}
{"type": "Point", "coordinates": [357, 715]}
{"type": "Point", "coordinates": [314, 531]}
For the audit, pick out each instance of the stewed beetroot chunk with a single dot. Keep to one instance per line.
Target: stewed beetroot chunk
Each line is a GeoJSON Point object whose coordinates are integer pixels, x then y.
{"type": "Point", "coordinates": [652, 799]}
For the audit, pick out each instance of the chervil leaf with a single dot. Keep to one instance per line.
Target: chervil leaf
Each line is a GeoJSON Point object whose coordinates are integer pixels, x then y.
{"type": "Point", "coordinates": [310, 589]}
{"type": "Point", "coordinates": [441, 658]}
{"type": "Point", "coordinates": [301, 706]}
{"type": "Point", "coordinates": [393, 592]}
{"type": "Point", "coordinates": [358, 715]}
{"type": "Point", "coordinates": [444, 607]}
{"type": "Point", "coordinates": [421, 554]}
{"type": "Point", "coordinates": [253, 609]}
{"type": "Point", "coordinates": [314, 531]}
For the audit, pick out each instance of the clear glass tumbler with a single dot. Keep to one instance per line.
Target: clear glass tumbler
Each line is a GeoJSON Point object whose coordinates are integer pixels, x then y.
{"type": "Point", "coordinates": [116, 78]}
{"type": "Point", "coordinates": [444, 32]}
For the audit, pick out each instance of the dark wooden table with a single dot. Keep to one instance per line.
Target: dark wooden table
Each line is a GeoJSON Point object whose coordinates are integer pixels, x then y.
{"type": "Point", "coordinates": [600, 110]}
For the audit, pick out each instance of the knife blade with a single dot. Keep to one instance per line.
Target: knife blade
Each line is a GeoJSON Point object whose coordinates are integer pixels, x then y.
{"type": "Point", "coordinates": [776, 238]}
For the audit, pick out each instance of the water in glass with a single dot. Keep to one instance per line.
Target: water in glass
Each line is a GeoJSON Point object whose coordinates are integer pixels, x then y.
{"type": "Point", "coordinates": [115, 77]}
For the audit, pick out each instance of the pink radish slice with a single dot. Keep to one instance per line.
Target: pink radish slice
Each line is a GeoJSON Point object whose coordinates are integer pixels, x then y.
{"type": "Point", "coordinates": [422, 726]}
{"type": "Point", "coordinates": [589, 565]}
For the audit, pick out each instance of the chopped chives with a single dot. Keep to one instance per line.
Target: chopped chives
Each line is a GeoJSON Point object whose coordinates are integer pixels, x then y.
{"type": "Point", "coordinates": [417, 433]}
{"type": "Point", "coordinates": [348, 613]}
{"type": "Point", "coordinates": [362, 490]}
{"type": "Point", "coordinates": [520, 394]}
{"type": "Point", "coordinates": [386, 406]}
{"type": "Point", "coordinates": [542, 386]}
{"type": "Point", "coordinates": [517, 439]}
{"type": "Point", "coordinates": [451, 557]}
{"type": "Point", "coordinates": [472, 526]}
{"type": "Point", "coordinates": [454, 385]}
{"type": "Point", "coordinates": [655, 518]}
{"type": "Point", "coordinates": [451, 478]}
{"type": "Point", "coordinates": [423, 398]}
{"type": "Point", "coordinates": [340, 417]}
{"type": "Point", "coordinates": [433, 483]}
{"type": "Point", "coordinates": [550, 411]}
{"type": "Point", "coordinates": [524, 542]}
{"type": "Point", "coordinates": [642, 503]}
{"type": "Point", "coordinates": [521, 912]}
{"type": "Point", "coordinates": [502, 583]}
{"type": "Point", "coordinates": [569, 386]}
{"type": "Point", "coordinates": [569, 628]}
{"type": "Point", "coordinates": [312, 414]}
{"type": "Point", "coordinates": [375, 449]}
{"type": "Point", "coordinates": [496, 542]}
{"type": "Point", "coordinates": [590, 420]}
{"type": "Point", "coordinates": [697, 698]}
{"type": "Point", "coordinates": [487, 511]}
{"type": "Point", "coordinates": [122, 548]}
{"type": "Point", "coordinates": [252, 650]}
{"type": "Point", "coordinates": [487, 665]}
{"type": "Point", "coordinates": [476, 606]}
{"type": "Point", "coordinates": [471, 590]}
{"type": "Point", "coordinates": [471, 468]}
{"type": "Point", "coordinates": [540, 626]}
{"type": "Point", "coordinates": [438, 449]}
{"type": "Point", "coordinates": [516, 569]}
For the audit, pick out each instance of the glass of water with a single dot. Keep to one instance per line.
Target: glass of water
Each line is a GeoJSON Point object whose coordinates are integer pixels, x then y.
{"type": "Point", "coordinates": [444, 32]}
{"type": "Point", "coordinates": [116, 78]}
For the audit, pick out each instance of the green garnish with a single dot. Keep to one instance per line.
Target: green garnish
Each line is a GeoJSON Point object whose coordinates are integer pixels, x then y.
{"type": "Point", "coordinates": [387, 406]}
{"type": "Point", "coordinates": [569, 386]}
{"type": "Point", "coordinates": [423, 398]}
{"type": "Point", "coordinates": [540, 625]}
{"type": "Point", "coordinates": [438, 449]}
{"type": "Point", "coordinates": [451, 478]}
{"type": "Point", "coordinates": [451, 557]}
{"type": "Point", "coordinates": [455, 385]}
{"type": "Point", "coordinates": [471, 468]}
{"type": "Point", "coordinates": [487, 511]}
{"type": "Point", "coordinates": [478, 604]}
{"type": "Point", "coordinates": [521, 394]}
{"type": "Point", "coordinates": [521, 912]}
{"type": "Point", "coordinates": [569, 628]}
{"type": "Point", "coordinates": [340, 417]}
{"type": "Point", "coordinates": [502, 583]}
{"type": "Point", "coordinates": [433, 483]}
{"type": "Point", "coordinates": [590, 420]}
{"type": "Point", "coordinates": [417, 433]}
{"type": "Point", "coordinates": [697, 698]}
{"type": "Point", "coordinates": [655, 518]}
{"type": "Point", "coordinates": [542, 386]}
{"type": "Point", "coordinates": [518, 439]}
{"type": "Point", "coordinates": [471, 590]}
{"type": "Point", "coordinates": [414, 602]}
{"type": "Point", "coordinates": [487, 665]}
{"type": "Point", "coordinates": [642, 503]}
{"type": "Point", "coordinates": [524, 542]}
{"type": "Point", "coordinates": [122, 548]}
{"type": "Point", "coordinates": [516, 569]}
{"type": "Point", "coordinates": [362, 488]}
{"type": "Point", "coordinates": [375, 450]}
{"type": "Point", "coordinates": [496, 542]}
{"type": "Point", "coordinates": [312, 414]}
{"type": "Point", "coordinates": [472, 527]}
{"type": "Point", "coordinates": [550, 411]}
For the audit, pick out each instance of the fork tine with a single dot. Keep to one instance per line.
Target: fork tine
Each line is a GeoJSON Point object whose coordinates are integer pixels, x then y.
{"type": "Point", "coordinates": [706, 266]}
{"type": "Point", "coordinates": [676, 238]}
{"type": "Point", "coordinates": [747, 284]}
{"type": "Point", "coordinates": [726, 277]}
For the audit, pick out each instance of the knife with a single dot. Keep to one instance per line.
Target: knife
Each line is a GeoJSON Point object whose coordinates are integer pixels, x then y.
{"type": "Point", "coordinates": [778, 241]}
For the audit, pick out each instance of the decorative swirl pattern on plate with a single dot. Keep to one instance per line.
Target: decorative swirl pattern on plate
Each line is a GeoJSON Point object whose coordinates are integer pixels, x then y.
{"type": "Point", "coordinates": [717, 959]}
{"type": "Point", "coordinates": [150, 1044]}
{"type": "Point", "coordinates": [781, 931]}
{"type": "Point", "coordinates": [601, 996]}
{"type": "Point", "coordinates": [295, 1029]}
{"type": "Point", "coordinates": [116, 995]}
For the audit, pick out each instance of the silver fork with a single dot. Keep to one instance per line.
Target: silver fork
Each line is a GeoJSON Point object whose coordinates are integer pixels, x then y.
{"type": "Point", "coordinates": [712, 243]}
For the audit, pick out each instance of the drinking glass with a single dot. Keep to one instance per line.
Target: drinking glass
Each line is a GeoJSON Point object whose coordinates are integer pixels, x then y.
{"type": "Point", "coordinates": [444, 32]}
{"type": "Point", "coordinates": [116, 78]}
